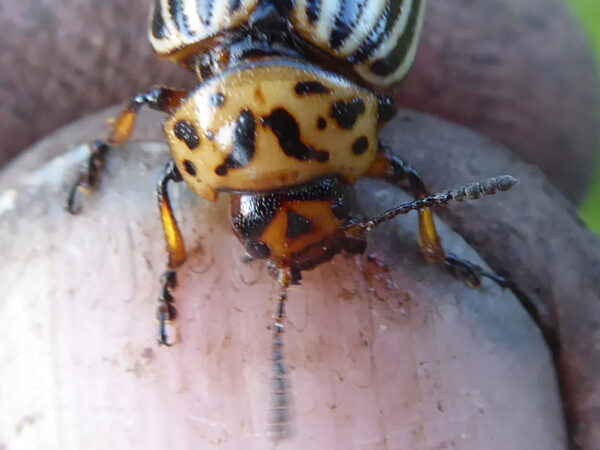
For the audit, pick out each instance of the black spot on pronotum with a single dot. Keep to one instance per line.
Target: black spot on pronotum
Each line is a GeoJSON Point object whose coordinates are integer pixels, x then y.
{"type": "Point", "coordinates": [244, 142]}
{"type": "Point", "coordinates": [322, 156]}
{"type": "Point", "coordinates": [189, 167]}
{"type": "Point", "coordinates": [297, 225]}
{"type": "Point", "coordinates": [210, 135]}
{"type": "Point", "coordinates": [386, 109]}
{"type": "Point", "coordinates": [360, 145]}
{"type": "Point", "coordinates": [346, 113]}
{"type": "Point", "coordinates": [310, 87]}
{"type": "Point", "coordinates": [186, 132]}
{"type": "Point", "coordinates": [217, 100]}
{"type": "Point", "coordinates": [321, 123]}
{"type": "Point", "coordinates": [286, 129]}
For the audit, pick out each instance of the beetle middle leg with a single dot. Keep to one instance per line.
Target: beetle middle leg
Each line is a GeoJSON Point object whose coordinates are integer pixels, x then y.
{"type": "Point", "coordinates": [394, 170]}
{"type": "Point", "coordinates": [166, 312]}
{"type": "Point", "coordinates": [159, 98]}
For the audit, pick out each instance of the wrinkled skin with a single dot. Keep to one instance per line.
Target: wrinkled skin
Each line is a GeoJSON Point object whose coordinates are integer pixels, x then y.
{"type": "Point", "coordinates": [385, 353]}
{"type": "Point", "coordinates": [516, 70]}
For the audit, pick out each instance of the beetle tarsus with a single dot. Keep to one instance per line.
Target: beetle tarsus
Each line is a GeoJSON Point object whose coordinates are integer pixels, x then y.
{"type": "Point", "coordinates": [88, 177]}
{"type": "Point", "coordinates": [471, 273]}
{"type": "Point", "coordinates": [166, 311]}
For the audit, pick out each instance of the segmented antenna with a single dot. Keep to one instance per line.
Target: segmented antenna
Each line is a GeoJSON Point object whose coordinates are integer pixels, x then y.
{"type": "Point", "coordinates": [280, 427]}
{"type": "Point", "coordinates": [472, 191]}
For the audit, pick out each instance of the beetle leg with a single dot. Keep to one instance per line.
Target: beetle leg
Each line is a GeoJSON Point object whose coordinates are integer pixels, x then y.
{"type": "Point", "coordinates": [394, 170]}
{"type": "Point", "coordinates": [166, 311]}
{"type": "Point", "coordinates": [159, 98]}
{"type": "Point", "coordinates": [175, 247]}
{"type": "Point", "coordinates": [280, 407]}
{"type": "Point", "coordinates": [88, 178]}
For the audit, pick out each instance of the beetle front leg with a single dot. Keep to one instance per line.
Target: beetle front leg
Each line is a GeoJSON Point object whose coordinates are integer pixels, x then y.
{"type": "Point", "coordinates": [160, 98]}
{"type": "Point", "coordinates": [394, 170]}
{"type": "Point", "coordinates": [88, 178]}
{"type": "Point", "coordinates": [166, 312]}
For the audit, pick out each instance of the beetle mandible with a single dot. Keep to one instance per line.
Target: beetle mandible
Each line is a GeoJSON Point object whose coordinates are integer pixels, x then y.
{"type": "Point", "coordinates": [291, 96]}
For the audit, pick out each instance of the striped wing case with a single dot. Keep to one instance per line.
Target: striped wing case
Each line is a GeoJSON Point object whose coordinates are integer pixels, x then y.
{"type": "Point", "coordinates": [379, 38]}
{"type": "Point", "coordinates": [178, 24]}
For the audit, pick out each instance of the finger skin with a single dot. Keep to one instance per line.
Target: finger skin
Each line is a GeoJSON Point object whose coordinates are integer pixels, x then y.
{"type": "Point", "coordinates": [517, 70]}
{"type": "Point", "coordinates": [536, 238]}
{"type": "Point", "coordinates": [390, 353]}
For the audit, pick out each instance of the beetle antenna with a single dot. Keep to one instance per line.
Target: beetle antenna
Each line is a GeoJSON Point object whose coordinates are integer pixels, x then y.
{"type": "Point", "coordinates": [281, 400]}
{"type": "Point", "coordinates": [471, 191]}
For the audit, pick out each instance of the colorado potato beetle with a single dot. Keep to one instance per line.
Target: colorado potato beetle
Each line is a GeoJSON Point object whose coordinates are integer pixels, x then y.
{"type": "Point", "coordinates": [291, 97]}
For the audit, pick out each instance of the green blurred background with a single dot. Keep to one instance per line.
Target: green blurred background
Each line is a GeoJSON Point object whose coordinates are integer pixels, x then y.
{"type": "Point", "coordinates": [588, 12]}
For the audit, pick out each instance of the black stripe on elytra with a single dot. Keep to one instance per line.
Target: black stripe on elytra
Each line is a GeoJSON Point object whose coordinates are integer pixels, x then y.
{"type": "Point", "coordinates": [285, 127]}
{"type": "Point", "coordinates": [346, 113]}
{"type": "Point", "coordinates": [159, 28]}
{"type": "Point", "coordinates": [360, 145]}
{"type": "Point", "coordinates": [271, 15]}
{"type": "Point", "coordinates": [244, 143]}
{"type": "Point", "coordinates": [186, 132]}
{"type": "Point", "coordinates": [380, 32]}
{"type": "Point", "coordinates": [297, 225]}
{"type": "Point", "coordinates": [345, 21]}
{"type": "Point", "coordinates": [310, 87]}
{"type": "Point", "coordinates": [313, 10]}
{"type": "Point", "coordinates": [234, 5]}
{"type": "Point", "coordinates": [385, 66]}
{"type": "Point", "coordinates": [205, 10]}
{"type": "Point", "coordinates": [179, 18]}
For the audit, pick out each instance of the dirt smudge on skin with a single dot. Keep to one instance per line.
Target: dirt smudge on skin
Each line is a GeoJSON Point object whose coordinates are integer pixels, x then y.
{"type": "Point", "coordinates": [148, 354]}
{"type": "Point", "coordinates": [377, 275]}
{"type": "Point", "coordinates": [138, 370]}
{"type": "Point", "coordinates": [26, 421]}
